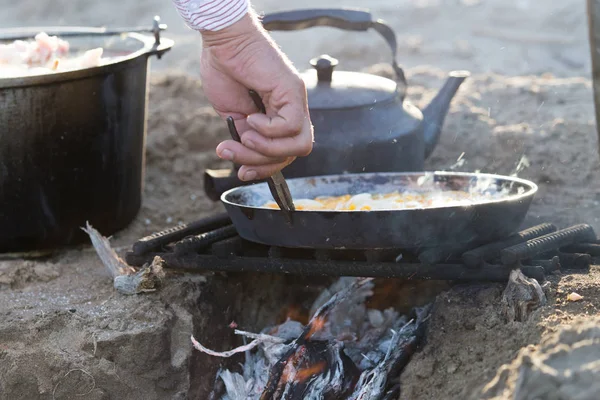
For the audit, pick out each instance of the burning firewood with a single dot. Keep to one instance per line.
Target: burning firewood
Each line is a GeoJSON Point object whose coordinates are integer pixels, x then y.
{"type": "Point", "coordinates": [346, 351]}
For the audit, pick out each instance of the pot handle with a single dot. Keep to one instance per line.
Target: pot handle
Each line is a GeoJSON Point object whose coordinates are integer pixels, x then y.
{"type": "Point", "coordinates": [161, 45]}
{"type": "Point", "coordinates": [349, 19]}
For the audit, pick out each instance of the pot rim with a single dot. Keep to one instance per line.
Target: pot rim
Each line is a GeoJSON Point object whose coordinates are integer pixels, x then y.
{"type": "Point", "coordinates": [149, 48]}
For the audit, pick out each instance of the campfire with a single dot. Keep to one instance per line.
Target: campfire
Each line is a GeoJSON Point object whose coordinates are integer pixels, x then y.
{"type": "Point", "coordinates": [346, 351]}
{"type": "Point", "coordinates": [350, 344]}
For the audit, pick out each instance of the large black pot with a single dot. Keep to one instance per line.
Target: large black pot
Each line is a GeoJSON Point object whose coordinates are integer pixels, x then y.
{"type": "Point", "coordinates": [72, 146]}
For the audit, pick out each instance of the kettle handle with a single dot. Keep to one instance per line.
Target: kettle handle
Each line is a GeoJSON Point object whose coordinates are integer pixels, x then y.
{"type": "Point", "coordinates": [350, 19]}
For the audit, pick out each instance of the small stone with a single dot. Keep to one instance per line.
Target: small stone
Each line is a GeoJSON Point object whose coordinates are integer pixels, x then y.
{"type": "Point", "coordinates": [574, 297]}
{"type": "Point", "coordinates": [451, 368]}
{"type": "Point", "coordinates": [469, 325]}
{"type": "Point", "coordinates": [114, 325]}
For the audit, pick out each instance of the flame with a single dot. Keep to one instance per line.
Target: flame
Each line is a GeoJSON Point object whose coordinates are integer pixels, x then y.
{"type": "Point", "coordinates": [403, 294]}
{"type": "Point", "coordinates": [385, 291]}
{"type": "Point", "coordinates": [317, 325]}
{"type": "Point", "coordinates": [293, 372]}
{"type": "Point", "coordinates": [295, 313]}
{"type": "Point", "coordinates": [305, 373]}
{"type": "Point", "coordinates": [290, 371]}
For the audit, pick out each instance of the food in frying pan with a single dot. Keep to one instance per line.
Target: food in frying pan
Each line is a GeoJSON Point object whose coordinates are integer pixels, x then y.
{"type": "Point", "coordinates": [390, 201]}
{"type": "Point", "coordinates": [44, 54]}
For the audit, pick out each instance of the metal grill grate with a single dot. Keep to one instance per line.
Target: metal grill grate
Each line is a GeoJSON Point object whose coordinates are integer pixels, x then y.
{"type": "Point", "coordinates": [212, 244]}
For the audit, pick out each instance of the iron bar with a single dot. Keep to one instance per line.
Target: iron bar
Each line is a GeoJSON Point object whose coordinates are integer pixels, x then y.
{"type": "Point", "coordinates": [593, 249]}
{"type": "Point", "coordinates": [551, 241]}
{"type": "Point", "coordinates": [199, 262]}
{"type": "Point", "coordinates": [476, 257]}
{"type": "Point", "coordinates": [440, 254]}
{"type": "Point", "coordinates": [196, 243]}
{"type": "Point", "coordinates": [228, 247]}
{"type": "Point", "coordinates": [551, 265]}
{"type": "Point", "coordinates": [176, 233]}
{"type": "Point", "coordinates": [575, 260]}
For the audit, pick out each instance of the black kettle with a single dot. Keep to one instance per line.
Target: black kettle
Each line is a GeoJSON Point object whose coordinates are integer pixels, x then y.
{"type": "Point", "coordinates": [362, 122]}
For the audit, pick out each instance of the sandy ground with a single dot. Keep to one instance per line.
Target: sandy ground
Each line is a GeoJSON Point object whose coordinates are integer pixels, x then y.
{"type": "Point", "coordinates": [65, 333]}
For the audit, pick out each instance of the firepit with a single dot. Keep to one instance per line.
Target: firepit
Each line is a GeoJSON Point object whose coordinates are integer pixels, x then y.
{"type": "Point", "coordinates": [346, 347]}
{"type": "Point", "coordinates": [346, 351]}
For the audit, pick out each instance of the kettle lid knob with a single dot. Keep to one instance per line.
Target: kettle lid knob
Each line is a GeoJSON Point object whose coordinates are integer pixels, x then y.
{"type": "Point", "coordinates": [324, 65]}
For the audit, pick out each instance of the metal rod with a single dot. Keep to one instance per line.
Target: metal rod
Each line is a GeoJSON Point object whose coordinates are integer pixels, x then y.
{"type": "Point", "coordinates": [551, 241]}
{"type": "Point", "coordinates": [476, 257]}
{"type": "Point", "coordinates": [176, 233]}
{"type": "Point", "coordinates": [441, 254]}
{"type": "Point", "coordinates": [199, 242]}
{"type": "Point", "coordinates": [228, 247]}
{"type": "Point", "coordinates": [551, 265]}
{"type": "Point", "coordinates": [199, 262]}
{"type": "Point", "coordinates": [575, 260]}
{"type": "Point", "coordinates": [592, 249]}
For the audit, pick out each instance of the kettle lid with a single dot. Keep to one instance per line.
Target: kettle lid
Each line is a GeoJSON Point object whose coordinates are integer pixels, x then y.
{"type": "Point", "coordinates": [344, 89]}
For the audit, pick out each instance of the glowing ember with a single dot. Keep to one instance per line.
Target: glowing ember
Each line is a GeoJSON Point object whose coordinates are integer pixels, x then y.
{"type": "Point", "coordinates": [296, 313]}
{"type": "Point", "coordinates": [302, 375]}
{"type": "Point", "coordinates": [316, 326]}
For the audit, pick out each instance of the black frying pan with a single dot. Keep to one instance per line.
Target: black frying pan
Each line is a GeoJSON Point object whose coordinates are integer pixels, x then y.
{"type": "Point", "coordinates": [397, 229]}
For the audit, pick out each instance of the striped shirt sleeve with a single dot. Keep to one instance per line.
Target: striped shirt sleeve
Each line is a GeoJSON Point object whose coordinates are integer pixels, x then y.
{"type": "Point", "coordinates": [211, 15]}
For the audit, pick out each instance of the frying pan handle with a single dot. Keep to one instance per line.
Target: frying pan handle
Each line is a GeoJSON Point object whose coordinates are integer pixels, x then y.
{"type": "Point", "coordinates": [349, 19]}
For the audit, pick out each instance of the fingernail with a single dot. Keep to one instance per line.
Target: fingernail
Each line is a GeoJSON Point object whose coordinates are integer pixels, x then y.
{"type": "Point", "coordinates": [250, 175]}
{"type": "Point", "coordinates": [249, 144]}
{"type": "Point", "coordinates": [226, 155]}
{"type": "Point", "coordinates": [250, 120]}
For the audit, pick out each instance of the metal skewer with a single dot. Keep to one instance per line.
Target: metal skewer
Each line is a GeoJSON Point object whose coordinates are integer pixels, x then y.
{"type": "Point", "coordinates": [277, 184]}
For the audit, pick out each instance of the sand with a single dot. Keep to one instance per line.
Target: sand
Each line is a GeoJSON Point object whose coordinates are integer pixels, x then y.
{"type": "Point", "coordinates": [65, 332]}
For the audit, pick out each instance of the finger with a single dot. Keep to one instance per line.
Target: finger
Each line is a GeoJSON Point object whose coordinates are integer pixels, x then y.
{"type": "Point", "coordinates": [290, 117]}
{"type": "Point", "coordinates": [278, 126]}
{"type": "Point", "coordinates": [295, 146]}
{"type": "Point", "coordinates": [239, 154]}
{"type": "Point", "coordinates": [250, 173]}
{"type": "Point", "coordinates": [227, 95]}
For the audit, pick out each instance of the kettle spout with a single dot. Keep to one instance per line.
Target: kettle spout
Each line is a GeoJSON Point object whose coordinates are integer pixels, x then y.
{"type": "Point", "coordinates": [435, 113]}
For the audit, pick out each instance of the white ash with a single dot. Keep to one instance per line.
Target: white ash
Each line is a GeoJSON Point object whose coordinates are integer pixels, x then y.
{"type": "Point", "coordinates": [374, 341]}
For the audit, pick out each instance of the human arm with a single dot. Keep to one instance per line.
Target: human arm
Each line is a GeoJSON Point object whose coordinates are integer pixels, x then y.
{"type": "Point", "coordinates": [238, 55]}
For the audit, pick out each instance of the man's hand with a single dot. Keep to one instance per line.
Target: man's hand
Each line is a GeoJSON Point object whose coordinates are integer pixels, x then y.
{"type": "Point", "coordinates": [243, 57]}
